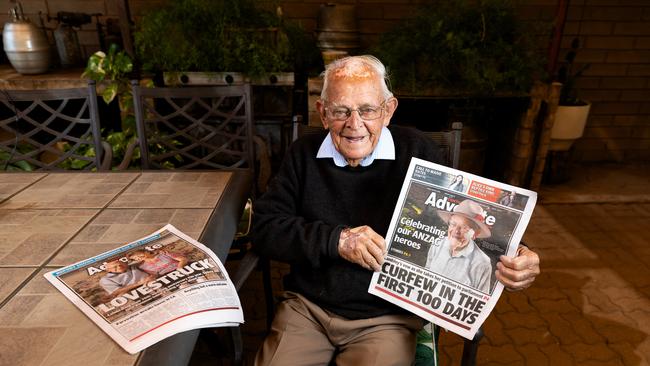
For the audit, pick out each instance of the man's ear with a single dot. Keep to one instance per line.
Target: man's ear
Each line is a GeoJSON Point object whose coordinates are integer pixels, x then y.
{"type": "Point", "coordinates": [473, 233]}
{"type": "Point", "coordinates": [391, 106]}
{"type": "Point", "coordinates": [320, 106]}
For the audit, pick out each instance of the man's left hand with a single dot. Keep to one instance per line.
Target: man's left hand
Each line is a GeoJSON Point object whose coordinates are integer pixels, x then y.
{"type": "Point", "coordinates": [519, 272]}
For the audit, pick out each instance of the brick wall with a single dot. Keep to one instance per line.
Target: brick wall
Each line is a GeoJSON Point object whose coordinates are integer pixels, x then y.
{"type": "Point", "coordinates": [615, 37]}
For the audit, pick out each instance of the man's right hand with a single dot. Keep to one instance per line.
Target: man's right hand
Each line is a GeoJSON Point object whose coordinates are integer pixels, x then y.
{"type": "Point", "coordinates": [363, 246]}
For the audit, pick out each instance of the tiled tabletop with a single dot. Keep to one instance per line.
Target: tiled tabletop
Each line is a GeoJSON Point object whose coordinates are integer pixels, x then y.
{"type": "Point", "coordinates": [56, 219]}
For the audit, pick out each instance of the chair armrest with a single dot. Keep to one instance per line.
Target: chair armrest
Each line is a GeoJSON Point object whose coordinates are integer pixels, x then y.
{"type": "Point", "coordinates": [128, 155]}
{"type": "Point", "coordinates": [107, 159]}
{"type": "Point", "coordinates": [246, 266]}
{"type": "Point", "coordinates": [264, 163]}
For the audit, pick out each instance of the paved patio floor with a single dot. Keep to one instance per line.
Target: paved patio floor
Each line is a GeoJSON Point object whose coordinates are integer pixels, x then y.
{"type": "Point", "coordinates": [590, 305]}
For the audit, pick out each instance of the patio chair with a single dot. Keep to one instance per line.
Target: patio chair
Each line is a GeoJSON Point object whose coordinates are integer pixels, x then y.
{"type": "Point", "coordinates": [194, 127]}
{"type": "Point", "coordinates": [51, 129]}
{"type": "Point", "coordinates": [203, 127]}
{"type": "Point", "coordinates": [449, 144]}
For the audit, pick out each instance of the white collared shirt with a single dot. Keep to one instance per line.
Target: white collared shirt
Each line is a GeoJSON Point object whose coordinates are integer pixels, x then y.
{"type": "Point", "coordinates": [384, 150]}
{"type": "Point", "coordinates": [470, 266]}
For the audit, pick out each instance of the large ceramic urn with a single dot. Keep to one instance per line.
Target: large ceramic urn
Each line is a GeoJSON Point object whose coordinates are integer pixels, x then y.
{"type": "Point", "coordinates": [26, 46]}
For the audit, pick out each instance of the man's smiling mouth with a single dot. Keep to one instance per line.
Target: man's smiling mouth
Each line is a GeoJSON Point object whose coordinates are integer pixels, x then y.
{"type": "Point", "coordinates": [355, 138]}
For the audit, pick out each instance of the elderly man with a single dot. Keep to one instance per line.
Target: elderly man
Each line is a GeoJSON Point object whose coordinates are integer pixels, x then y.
{"type": "Point", "coordinates": [458, 257]}
{"type": "Point", "coordinates": [323, 213]}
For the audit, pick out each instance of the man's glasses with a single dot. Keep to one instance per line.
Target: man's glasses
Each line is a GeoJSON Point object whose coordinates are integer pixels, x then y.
{"type": "Point", "coordinates": [367, 113]}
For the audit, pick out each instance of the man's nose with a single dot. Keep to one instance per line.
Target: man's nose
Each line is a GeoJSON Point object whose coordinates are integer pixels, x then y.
{"type": "Point", "coordinates": [355, 120]}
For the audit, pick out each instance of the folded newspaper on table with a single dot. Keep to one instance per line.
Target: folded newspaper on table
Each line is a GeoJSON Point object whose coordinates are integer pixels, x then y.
{"type": "Point", "coordinates": [152, 288]}
{"type": "Point", "coordinates": [446, 235]}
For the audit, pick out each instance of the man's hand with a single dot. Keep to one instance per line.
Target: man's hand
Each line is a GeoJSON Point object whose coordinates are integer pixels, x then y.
{"type": "Point", "coordinates": [519, 272]}
{"type": "Point", "coordinates": [363, 246]}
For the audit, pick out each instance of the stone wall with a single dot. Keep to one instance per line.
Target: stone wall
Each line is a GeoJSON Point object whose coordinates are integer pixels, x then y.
{"type": "Point", "coordinates": [615, 37]}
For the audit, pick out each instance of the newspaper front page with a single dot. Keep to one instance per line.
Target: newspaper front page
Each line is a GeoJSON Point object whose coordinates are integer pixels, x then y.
{"type": "Point", "coordinates": [152, 288]}
{"type": "Point", "coordinates": [448, 230]}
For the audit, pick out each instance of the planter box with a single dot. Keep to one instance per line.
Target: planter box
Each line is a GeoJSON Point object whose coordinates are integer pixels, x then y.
{"type": "Point", "coordinates": [227, 78]}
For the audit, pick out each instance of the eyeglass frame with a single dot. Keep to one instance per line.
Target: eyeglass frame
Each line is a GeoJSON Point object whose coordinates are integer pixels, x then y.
{"type": "Point", "coordinates": [382, 108]}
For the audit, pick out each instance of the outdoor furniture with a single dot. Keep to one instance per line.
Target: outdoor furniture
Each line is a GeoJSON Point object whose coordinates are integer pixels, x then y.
{"type": "Point", "coordinates": [449, 144]}
{"type": "Point", "coordinates": [207, 127]}
{"type": "Point", "coordinates": [50, 220]}
{"type": "Point", "coordinates": [52, 129]}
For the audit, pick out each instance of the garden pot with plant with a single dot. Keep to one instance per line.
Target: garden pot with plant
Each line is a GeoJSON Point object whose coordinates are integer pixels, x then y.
{"type": "Point", "coordinates": [572, 111]}
{"type": "Point", "coordinates": [472, 55]}
{"type": "Point", "coordinates": [229, 41]}
{"type": "Point", "coordinates": [111, 71]}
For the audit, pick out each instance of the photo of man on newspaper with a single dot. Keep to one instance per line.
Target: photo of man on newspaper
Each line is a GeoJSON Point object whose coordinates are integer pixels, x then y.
{"type": "Point", "coordinates": [458, 257]}
{"type": "Point", "coordinates": [445, 246]}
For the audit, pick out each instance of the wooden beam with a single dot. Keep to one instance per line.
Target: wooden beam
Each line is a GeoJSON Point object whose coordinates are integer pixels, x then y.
{"type": "Point", "coordinates": [126, 26]}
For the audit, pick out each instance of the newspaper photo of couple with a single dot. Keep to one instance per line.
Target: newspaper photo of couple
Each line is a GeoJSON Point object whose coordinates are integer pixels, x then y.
{"type": "Point", "coordinates": [125, 283]}
{"type": "Point", "coordinates": [152, 288]}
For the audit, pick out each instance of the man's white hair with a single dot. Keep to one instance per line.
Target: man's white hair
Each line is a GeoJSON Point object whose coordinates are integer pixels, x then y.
{"type": "Point", "coordinates": [365, 66]}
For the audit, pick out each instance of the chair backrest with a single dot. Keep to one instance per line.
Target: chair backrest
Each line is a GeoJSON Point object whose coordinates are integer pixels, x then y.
{"type": "Point", "coordinates": [207, 127]}
{"type": "Point", "coordinates": [300, 129]}
{"type": "Point", "coordinates": [51, 129]}
{"type": "Point", "coordinates": [449, 143]}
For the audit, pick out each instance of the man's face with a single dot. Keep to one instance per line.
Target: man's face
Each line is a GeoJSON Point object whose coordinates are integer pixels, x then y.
{"type": "Point", "coordinates": [116, 266]}
{"type": "Point", "coordinates": [355, 138]}
{"type": "Point", "coordinates": [137, 257]}
{"type": "Point", "coordinates": [461, 230]}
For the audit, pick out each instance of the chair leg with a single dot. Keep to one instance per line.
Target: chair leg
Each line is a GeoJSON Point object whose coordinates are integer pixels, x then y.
{"type": "Point", "coordinates": [470, 350]}
{"type": "Point", "coordinates": [268, 292]}
{"type": "Point", "coordinates": [237, 345]}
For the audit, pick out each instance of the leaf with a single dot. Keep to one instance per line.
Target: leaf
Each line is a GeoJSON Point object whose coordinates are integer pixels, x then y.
{"type": "Point", "coordinates": [424, 356]}
{"type": "Point", "coordinates": [23, 165]}
{"type": "Point", "coordinates": [128, 124]}
{"type": "Point", "coordinates": [109, 93]}
{"type": "Point", "coordinates": [79, 164]}
{"type": "Point", "coordinates": [423, 336]}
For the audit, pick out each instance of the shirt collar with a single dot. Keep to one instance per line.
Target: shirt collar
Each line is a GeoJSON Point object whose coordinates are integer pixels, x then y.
{"type": "Point", "coordinates": [465, 252]}
{"type": "Point", "coordinates": [384, 150]}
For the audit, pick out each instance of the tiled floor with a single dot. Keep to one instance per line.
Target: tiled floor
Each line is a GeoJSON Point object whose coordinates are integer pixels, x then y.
{"type": "Point", "coordinates": [590, 305]}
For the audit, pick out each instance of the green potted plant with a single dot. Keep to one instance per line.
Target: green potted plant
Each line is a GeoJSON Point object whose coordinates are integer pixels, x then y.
{"type": "Point", "coordinates": [475, 59]}
{"type": "Point", "coordinates": [572, 111]}
{"type": "Point", "coordinates": [219, 36]}
{"type": "Point", "coordinates": [111, 71]}
{"type": "Point", "coordinates": [461, 48]}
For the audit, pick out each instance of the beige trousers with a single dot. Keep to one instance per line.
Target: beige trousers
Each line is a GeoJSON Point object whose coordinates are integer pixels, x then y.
{"type": "Point", "coordinates": [303, 334]}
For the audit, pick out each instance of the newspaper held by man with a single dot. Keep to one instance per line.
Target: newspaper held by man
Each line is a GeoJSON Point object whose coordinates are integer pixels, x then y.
{"type": "Point", "coordinates": [152, 288]}
{"type": "Point", "coordinates": [448, 230]}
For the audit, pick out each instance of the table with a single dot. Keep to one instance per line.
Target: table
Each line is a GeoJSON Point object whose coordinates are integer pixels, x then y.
{"type": "Point", "coordinates": [49, 220]}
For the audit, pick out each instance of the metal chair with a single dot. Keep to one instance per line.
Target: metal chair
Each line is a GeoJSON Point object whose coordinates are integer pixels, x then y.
{"type": "Point", "coordinates": [204, 127]}
{"type": "Point", "coordinates": [449, 144]}
{"type": "Point", "coordinates": [208, 127]}
{"type": "Point", "coordinates": [300, 129]}
{"type": "Point", "coordinates": [52, 129]}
